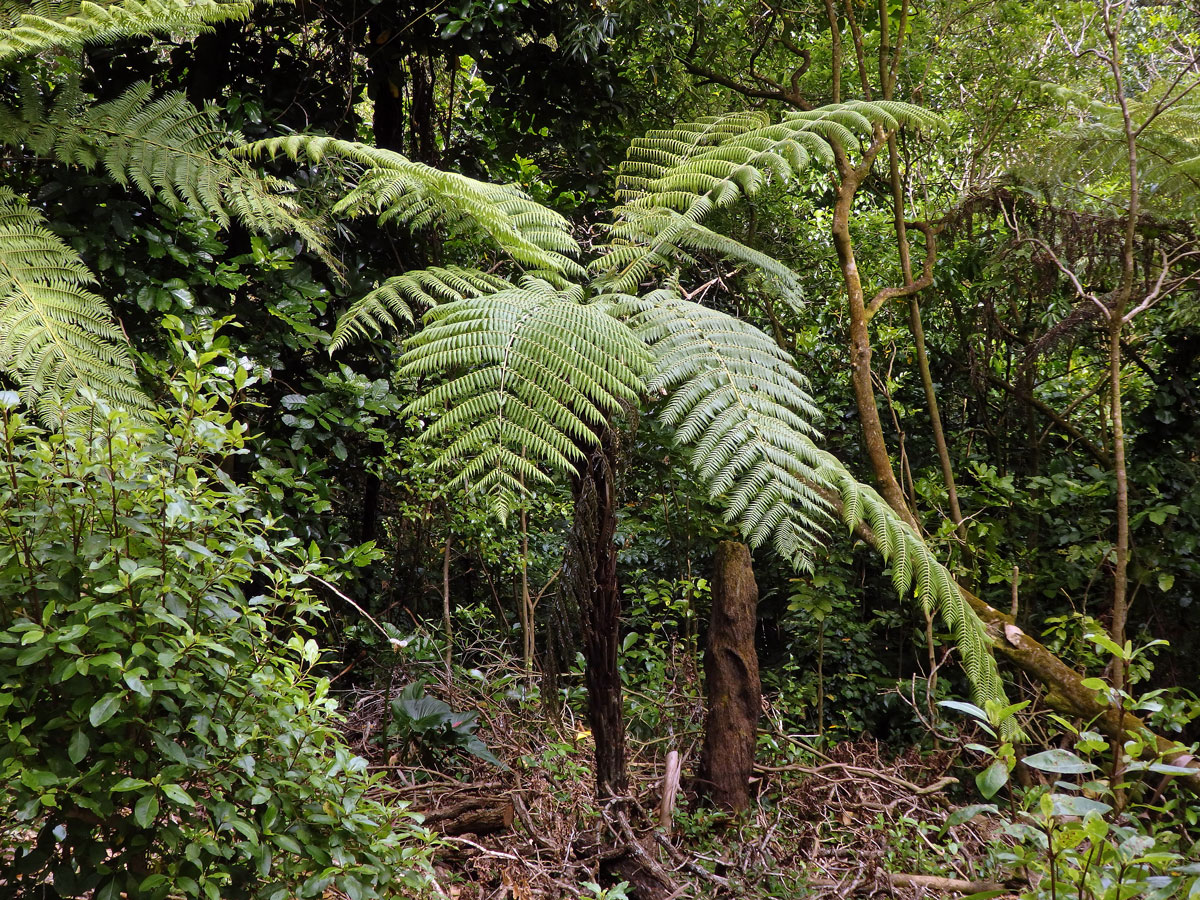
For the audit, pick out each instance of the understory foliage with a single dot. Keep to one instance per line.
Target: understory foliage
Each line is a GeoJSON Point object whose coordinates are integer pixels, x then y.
{"type": "Point", "coordinates": [167, 729]}
{"type": "Point", "coordinates": [57, 338]}
{"type": "Point", "coordinates": [537, 371]}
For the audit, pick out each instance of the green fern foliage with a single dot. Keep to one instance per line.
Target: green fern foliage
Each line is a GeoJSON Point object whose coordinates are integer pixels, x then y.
{"type": "Point", "coordinates": [166, 148]}
{"type": "Point", "coordinates": [169, 149]}
{"type": "Point", "coordinates": [537, 374]}
{"type": "Point", "coordinates": [713, 162]}
{"type": "Point", "coordinates": [742, 410]}
{"type": "Point", "coordinates": [644, 240]}
{"type": "Point", "coordinates": [1091, 140]}
{"type": "Point", "coordinates": [915, 570]}
{"type": "Point", "coordinates": [394, 188]}
{"type": "Point", "coordinates": [30, 28]}
{"type": "Point", "coordinates": [696, 167]}
{"type": "Point", "coordinates": [379, 309]}
{"type": "Point", "coordinates": [58, 340]}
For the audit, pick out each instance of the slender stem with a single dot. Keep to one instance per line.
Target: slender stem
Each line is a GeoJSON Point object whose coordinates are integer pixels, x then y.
{"type": "Point", "coordinates": [447, 621]}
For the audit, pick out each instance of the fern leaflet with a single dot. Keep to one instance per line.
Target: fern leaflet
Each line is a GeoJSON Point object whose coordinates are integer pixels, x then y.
{"type": "Point", "coordinates": [383, 305]}
{"type": "Point", "coordinates": [58, 340]}
{"type": "Point", "coordinates": [738, 404]}
{"type": "Point", "coordinates": [538, 373]}
{"type": "Point", "coordinates": [395, 188]}
{"type": "Point", "coordinates": [30, 28]}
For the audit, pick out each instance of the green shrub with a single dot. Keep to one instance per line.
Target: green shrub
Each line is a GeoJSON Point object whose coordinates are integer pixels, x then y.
{"type": "Point", "coordinates": [164, 732]}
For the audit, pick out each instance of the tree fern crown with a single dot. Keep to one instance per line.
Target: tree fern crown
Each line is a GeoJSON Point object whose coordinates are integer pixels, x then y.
{"type": "Point", "coordinates": [536, 374]}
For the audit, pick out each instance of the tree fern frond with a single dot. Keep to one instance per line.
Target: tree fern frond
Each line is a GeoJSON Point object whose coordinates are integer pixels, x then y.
{"type": "Point", "coordinates": [914, 568]}
{"type": "Point", "coordinates": [698, 166]}
{"type": "Point", "coordinates": [58, 340]}
{"type": "Point", "coordinates": [169, 149]}
{"type": "Point", "coordinates": [1093, 138]}
{"type": "Point", "coordinates": [416, 195]}
{"type": "Point", "coordinates": [30, 28]}
{"type": "Point", "coordinates": [740, 407]}
{"type": "Point", "coordinates": [738, 404]}
{"type": "Point", "coordinates": [393, 299]}
{"type": "Point", "coordinates": [536, 375]}
{"type": "Point", "coordinates": [643, 240]}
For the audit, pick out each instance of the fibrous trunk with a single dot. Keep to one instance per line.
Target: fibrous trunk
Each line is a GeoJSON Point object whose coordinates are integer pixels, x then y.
{"type": "Point", "coordinates": [591, 575]}
{"type": "Point", "coordinates": [731, 680]}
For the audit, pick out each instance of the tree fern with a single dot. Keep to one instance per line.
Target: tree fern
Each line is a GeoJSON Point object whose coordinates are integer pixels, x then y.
{"type": "Point", "coordinates": [58, 340]}
{"type": "Point", "coordinates": [742, 410]}
{"type": "Point", "coordinates": [30, 28]}
{"type": "Point", "coordinates": [697, 167]}
{"type": "Point", "coordinates": [166, 148]}
{"type": "Point", "coordinates": [378, 309]}
{"type": "Point", "coordinates": [536, 374]}
{"type": "Point", "coordinates": [1092, 141]}
{"type": "Point", "coordinates": [395, 188]}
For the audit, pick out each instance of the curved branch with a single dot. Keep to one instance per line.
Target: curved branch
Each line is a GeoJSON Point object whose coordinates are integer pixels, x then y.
{"type": "Point", "coordinates": [778, 93]}
{"type": "Point", "coordinates": [926, 279]}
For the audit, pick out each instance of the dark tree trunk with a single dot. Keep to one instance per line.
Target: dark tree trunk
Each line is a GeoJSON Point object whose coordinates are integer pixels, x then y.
{"type": "Point", "coordinates": [731, 679]}
{"type": "Point", "coordinates": [421, 116]}
{"type": "Point", "coordinates": [368, 524]}
{"type": "Point", "coordinates": [600, 609]}
{"type": "Point", "coordinates": [385, 86]}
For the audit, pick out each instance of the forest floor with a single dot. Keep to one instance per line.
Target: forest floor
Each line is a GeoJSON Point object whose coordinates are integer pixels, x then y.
{"type": "Point", "coordinates": [852, 819]}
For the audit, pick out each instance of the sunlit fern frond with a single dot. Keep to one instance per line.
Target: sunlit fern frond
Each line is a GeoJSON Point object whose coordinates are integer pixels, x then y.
{"type": "Point", "coordinates": [27, 28]}
{"type": "Point", "coordinates": [394, 188]}
{"type": "Point", "coordinates": [378, 310]}
{"type": "Point", "coordinates": [1090, 144]}
{"type": "Point", "coordinates": [58, 340]}
{"type": "Point", "coordinates": [658, 238]}
{"type": "Point", "coordinates": [915, 570]}
{"type": "Point", "coordinates": [742, 410]}
{"type": "Point", "coordinates": [697, 167]}
{"type": "Point", "coordinates": [533, 374]}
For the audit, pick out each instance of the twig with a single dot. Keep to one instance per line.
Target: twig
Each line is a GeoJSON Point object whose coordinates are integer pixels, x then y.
{"type": "Point", "coordinates": [484, 850]}
{"type": "Point", "coordinates": [938, 785]}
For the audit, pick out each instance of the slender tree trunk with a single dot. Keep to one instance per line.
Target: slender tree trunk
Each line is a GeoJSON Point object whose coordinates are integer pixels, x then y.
{"type": "Point", "coordinates": [1120, 607]}
{"type": "Point", "coordinates": [528, 645]}
{"type": "Point", "coordinates": [1113, 20]}
{"type": "Point", "coordinates": [935, 418]}
{"type": "Point", "coordinates": [447, 618]}
{"type": "Point", "coordinates": [860, 342]}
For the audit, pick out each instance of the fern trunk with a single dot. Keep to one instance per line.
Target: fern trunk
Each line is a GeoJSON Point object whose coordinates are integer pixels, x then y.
{"type": "Point", "coordinates": [600, 612]}
{"type": "Point", "coordinates": [731, 680]}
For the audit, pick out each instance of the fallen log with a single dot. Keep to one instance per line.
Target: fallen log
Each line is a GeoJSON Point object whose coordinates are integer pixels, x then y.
{"type": "Point", "coordinates": [938, 883]}
{"type": "Point", "coordinates": [478, 815]}
{"type": "Point", "coordinates": [1065, 691]}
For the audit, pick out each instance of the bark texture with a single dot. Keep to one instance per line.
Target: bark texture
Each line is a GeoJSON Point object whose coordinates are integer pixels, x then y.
{"type": "Point", "coordinates": [591, 574]}
{"type": "Point", "coordinates": [731, 679]}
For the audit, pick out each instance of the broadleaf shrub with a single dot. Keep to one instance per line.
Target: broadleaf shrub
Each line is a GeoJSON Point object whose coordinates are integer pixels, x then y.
{"type": "Point", "coordinates": [165, 732]}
